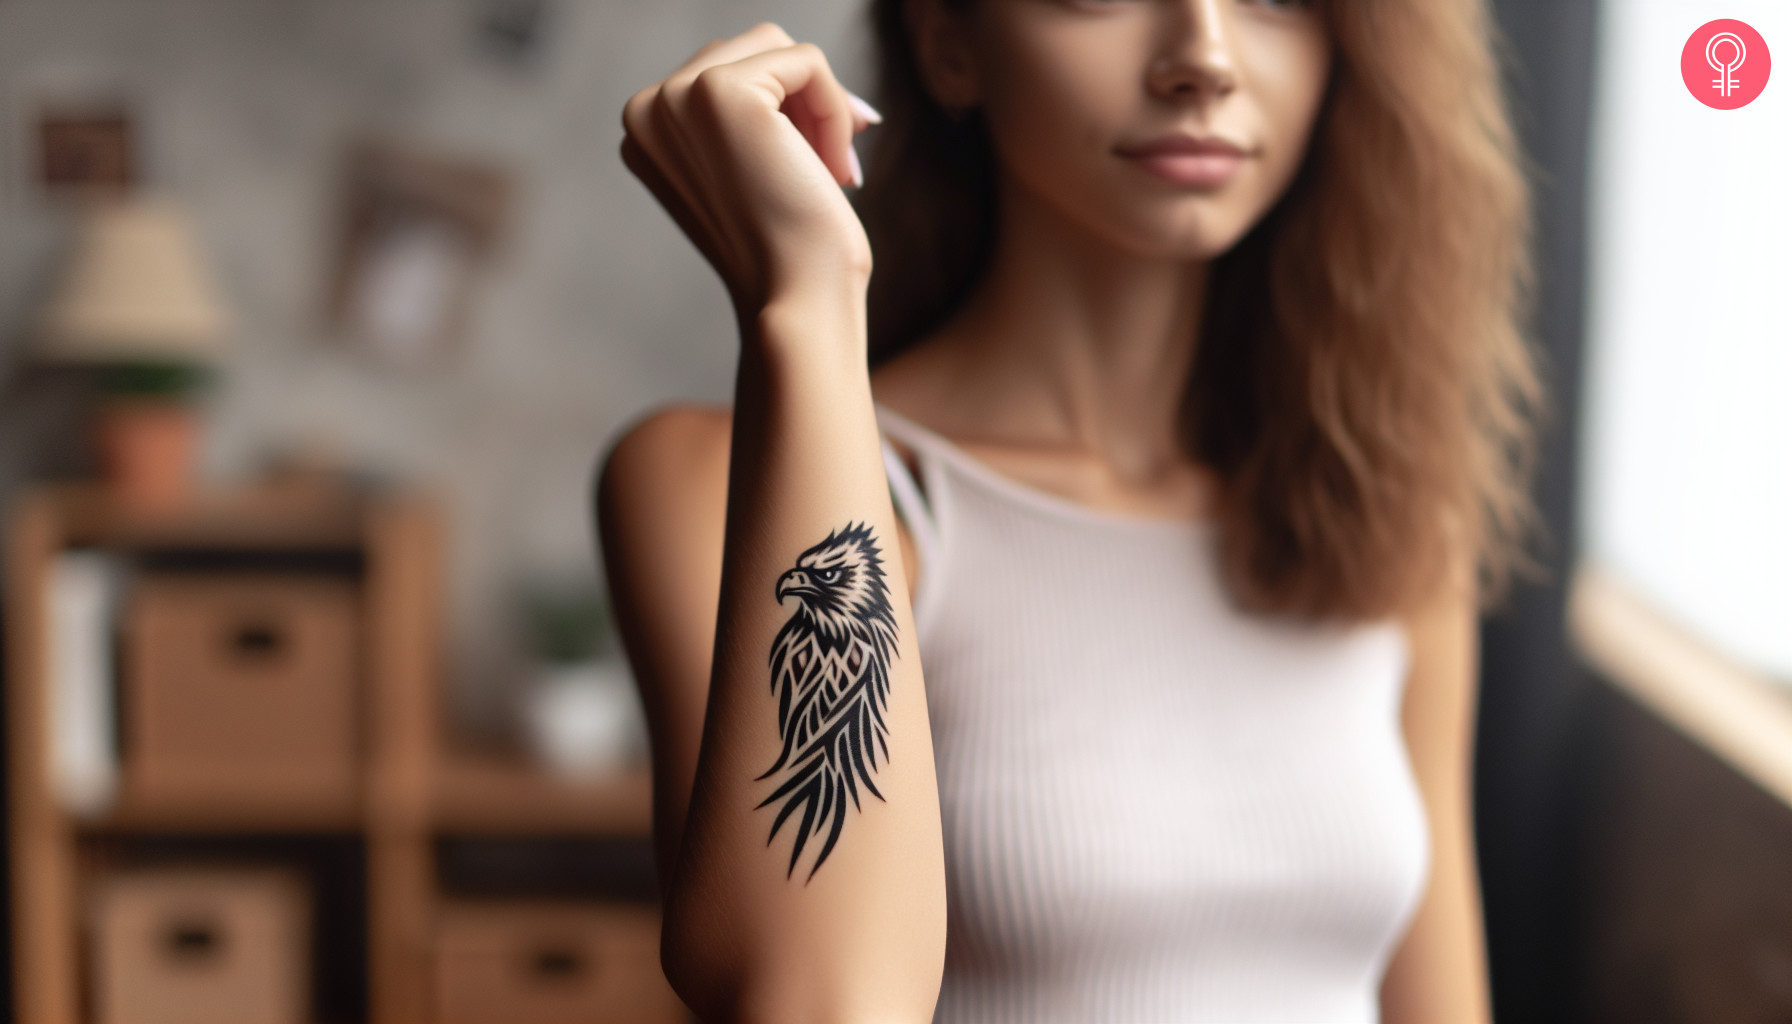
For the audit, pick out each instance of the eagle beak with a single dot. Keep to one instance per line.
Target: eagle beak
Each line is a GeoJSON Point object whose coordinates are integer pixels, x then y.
{"type": "Point", "coordinates": [790, 582]}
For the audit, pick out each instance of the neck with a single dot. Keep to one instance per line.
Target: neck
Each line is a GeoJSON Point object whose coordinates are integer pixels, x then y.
{"type": "Point", "coordinates": [1071, 340]}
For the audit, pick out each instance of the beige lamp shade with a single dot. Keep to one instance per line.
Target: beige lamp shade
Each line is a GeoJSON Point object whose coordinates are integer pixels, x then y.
{"type": "Point", "coordinates": [135, 291]}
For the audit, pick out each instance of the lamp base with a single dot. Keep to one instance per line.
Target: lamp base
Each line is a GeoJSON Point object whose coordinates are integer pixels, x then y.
{"type": "Point", "coordinates": [148, 451]}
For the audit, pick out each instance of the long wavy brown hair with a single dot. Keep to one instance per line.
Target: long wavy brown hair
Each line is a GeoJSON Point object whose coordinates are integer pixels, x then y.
{"type": "Point", "coordinates": [1363, 386]}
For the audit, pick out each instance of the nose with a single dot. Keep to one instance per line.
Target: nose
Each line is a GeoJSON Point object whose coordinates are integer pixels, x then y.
{"type": "Point", "coordinates": [1195, 58]}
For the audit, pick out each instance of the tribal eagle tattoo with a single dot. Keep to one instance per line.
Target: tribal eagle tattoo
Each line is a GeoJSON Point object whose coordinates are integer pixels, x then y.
{"type": "Point", "coordinates": [831, 674]}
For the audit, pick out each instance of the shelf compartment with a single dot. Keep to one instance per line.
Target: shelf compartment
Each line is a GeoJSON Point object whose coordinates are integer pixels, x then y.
{"type": "Point", "coordinates": [264, 517]}
{"type": "Point", "coordinates": [489, 794]}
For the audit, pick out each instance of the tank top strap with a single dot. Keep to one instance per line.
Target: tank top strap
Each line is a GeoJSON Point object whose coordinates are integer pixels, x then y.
{"type": "Point", "coordinates": [911, 502]}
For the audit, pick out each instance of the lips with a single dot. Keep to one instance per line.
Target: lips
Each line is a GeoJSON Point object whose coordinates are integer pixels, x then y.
{"type": "Point", "coordinates": [1188, 160]}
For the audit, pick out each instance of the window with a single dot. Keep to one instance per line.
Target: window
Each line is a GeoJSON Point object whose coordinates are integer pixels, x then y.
{"type": "Point", "coordinates": [1687, 469]}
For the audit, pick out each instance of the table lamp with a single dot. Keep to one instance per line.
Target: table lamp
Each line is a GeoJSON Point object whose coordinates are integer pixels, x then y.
{"type": "Point", "coordinates": [136, 303]}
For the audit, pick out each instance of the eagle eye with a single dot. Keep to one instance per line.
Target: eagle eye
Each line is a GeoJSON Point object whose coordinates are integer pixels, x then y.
{"type": "Point", "coordinates": [827, 575]}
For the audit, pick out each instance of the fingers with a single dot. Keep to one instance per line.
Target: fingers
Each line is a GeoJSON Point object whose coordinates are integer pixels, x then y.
{"type": "Point", "coordinates": [688, 215]}
{"type": "Point", "coordinates": [801, 81]}
{"type": "Point", "coordinates": [797, 81]}
{"type": "Point", "coordinates": [714, 144]}
{"type": "Point", "coordinates": [864, 113]}
{"type": "Point", "coordinates": [758, 39]}
{"type": "Point", "coordinates": [761, 37]}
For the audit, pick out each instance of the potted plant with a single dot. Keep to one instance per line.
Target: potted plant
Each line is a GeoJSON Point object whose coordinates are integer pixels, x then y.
{"type": "Point", "coordinates": [136, 304]}
{"type": "Point", "coordinates": [581, 712]}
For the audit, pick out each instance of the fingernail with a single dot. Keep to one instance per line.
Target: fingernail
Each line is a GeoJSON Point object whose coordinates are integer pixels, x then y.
{"type": "Point", "coordinates": [853, 165]}
{"type": "Point", "coordinates": [864, 110]}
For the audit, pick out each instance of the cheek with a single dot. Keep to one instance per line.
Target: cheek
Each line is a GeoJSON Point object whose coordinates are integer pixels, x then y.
{"type": "Point", "coordinates": [1287, 77]}
{"type": "Point", "coordinates": [1055, 94]}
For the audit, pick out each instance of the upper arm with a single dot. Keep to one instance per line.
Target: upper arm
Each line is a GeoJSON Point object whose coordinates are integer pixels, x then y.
{"type": "Point", "coordinates": [1437, 716]}
{"type": "Point", "coordinates": [1439, 971]}
{"type": "Point", "coordinates": [661, 505]}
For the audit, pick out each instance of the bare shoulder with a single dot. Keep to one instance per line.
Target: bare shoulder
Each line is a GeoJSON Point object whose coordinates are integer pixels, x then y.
{"type": "Point", "coordinates": [674, 451]}
{"type": "Point", "coordinates": [1442, 634]}
{"type": "Point", "coordinates": [662, 500]}
{"type": "Point", "coordinates": [1448, 618]}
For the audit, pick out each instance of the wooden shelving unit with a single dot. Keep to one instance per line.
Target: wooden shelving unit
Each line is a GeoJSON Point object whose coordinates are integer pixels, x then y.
{"type": "Point", "coordinates": [474, 795]}
{"type": "Point", "coordinates": [411, 790]}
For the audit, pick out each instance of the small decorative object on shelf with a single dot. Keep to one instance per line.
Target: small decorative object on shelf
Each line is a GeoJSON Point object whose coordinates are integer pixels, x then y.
{"type": "Point", "coordinates": [583, 718]}
{"type": "Point", "coordinates": [81, 599]}
{"type": "Point", "coordinates": [148, 432]}
{"type": "Point", "coordinates": [137, 303]}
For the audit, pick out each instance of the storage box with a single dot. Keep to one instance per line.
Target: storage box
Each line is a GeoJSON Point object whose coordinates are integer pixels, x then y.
{"type": "Point", "coordinates": [242, 688]}
{"type": "Point", "coordinates": [197, 946]}
{"type": "Point", "coordinates": [551, 963]}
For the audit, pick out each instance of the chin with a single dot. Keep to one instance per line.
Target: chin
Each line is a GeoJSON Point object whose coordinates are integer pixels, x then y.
{"type": "Point", "coordinates": [1181, 226]}
{"type": "Point", "coordinates": [1156, 224]}
{"type": "Point", "coordinates": [1190, 229]}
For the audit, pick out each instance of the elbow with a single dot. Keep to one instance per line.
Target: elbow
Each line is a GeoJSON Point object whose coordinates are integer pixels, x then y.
{"type": "Point", "coordinates": [706, 963]}
{"type": "Point", "coordinates": [726, 979]}
{"type": "Point", "coordinates": [694, 963]}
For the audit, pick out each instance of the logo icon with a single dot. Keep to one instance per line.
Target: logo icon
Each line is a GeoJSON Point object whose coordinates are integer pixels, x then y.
{"type": "Point", "coordinates": [1725, 64]}
{"type": "Point", "coordinates": [1726, 82]}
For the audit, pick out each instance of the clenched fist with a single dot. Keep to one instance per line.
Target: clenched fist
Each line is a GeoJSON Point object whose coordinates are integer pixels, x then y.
{"type": "Point", "coordinates": [748, 146]}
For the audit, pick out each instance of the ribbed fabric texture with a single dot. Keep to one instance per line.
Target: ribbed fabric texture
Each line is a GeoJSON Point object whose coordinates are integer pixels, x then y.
{"type": "Point", "coordinates": [1156, 808]}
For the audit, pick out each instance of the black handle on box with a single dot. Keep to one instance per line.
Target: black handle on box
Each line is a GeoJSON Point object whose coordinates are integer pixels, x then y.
{"type": "Point", "coordinates": [557, 963]}
{"type": "Point", "coordinates": [192, 939]}
{"type": "Point", "coordinates": [257, 640]}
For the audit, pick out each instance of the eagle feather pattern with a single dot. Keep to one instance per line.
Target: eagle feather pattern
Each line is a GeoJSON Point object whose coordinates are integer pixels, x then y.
{"type": "Point", "coordinates": [830, 667]}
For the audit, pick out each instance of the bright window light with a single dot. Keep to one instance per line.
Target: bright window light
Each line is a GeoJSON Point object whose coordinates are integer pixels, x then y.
{"type": "Point", "coordinates": [1687, 478]}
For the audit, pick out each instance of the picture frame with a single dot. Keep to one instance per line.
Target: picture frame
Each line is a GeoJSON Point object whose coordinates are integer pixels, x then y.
{"type": "Point", "coordinates": [416, 230]}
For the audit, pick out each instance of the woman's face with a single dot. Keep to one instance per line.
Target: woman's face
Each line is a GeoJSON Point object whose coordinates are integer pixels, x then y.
{"type": "Point", "coordinates": [1109, 111]}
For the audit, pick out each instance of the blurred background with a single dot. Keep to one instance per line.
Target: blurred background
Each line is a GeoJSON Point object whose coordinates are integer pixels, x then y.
{"type": "Point", "coordinates": [316, 316]}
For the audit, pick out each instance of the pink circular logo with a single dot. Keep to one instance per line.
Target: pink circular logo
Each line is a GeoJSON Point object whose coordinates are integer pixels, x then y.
{"type": "Point", "coordinates": [1725, 64]}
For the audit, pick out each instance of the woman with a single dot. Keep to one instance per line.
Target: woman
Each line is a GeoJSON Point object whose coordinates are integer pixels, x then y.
{"type": "Point", "coordinates": [1198, 386]}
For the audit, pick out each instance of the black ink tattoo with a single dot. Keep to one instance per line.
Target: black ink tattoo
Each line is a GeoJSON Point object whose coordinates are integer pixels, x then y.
{"type": "Point", "coordinates": [831, 674]}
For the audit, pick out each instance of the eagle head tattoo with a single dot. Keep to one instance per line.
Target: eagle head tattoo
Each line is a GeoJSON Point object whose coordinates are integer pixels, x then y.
{"type": "Point", "coordinates": [831, 675]}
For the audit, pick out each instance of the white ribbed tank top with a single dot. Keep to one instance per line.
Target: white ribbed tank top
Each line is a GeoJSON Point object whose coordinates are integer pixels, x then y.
{"type": "Point", "coordinates": [1156, 808]}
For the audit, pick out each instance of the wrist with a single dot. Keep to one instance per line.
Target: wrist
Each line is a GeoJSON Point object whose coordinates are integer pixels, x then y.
{"type": "Point", "coordinates": [819, 328]}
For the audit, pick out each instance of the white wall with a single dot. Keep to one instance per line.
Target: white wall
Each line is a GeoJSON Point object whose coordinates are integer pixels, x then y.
{"type": "Point", "coordinates": [1688, 485]}
{"type": "Point", "coordinates": [597, 309]}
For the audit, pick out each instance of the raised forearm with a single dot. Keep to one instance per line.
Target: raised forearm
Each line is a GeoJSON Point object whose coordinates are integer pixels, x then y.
{"type": "Point", "coordinates": [816, 718]}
